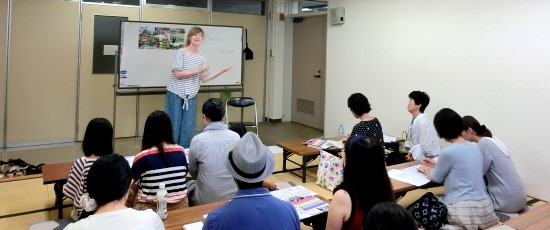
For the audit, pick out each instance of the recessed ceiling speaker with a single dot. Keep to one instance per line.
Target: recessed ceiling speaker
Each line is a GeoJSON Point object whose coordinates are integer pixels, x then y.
{"type": "Point", "coordinates": [337, 16]}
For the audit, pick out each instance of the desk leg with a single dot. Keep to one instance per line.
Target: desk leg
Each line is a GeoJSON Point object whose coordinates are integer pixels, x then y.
{"type": "Point", "coordinates": [58, 188]}
{"type": "Point", "coordinates": [305, 161]}
{"type": "Point", "coordinates": [286, 155]}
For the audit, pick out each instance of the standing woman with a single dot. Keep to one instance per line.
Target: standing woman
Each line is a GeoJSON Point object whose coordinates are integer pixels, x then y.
{"type": "Point", "coordinates": [504, 185]}
{"type": "Point", "coordinates": [189, 69]}
{"type": "Point", "coordinates": [356, 195]}
{"type": "Point", "coordinates": [98, 142]}
{"type": "Point", "coordinates": [160, 161]}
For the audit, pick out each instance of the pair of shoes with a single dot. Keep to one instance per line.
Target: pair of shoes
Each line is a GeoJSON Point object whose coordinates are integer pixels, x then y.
{"type": "Point", "coordinates": [34, 169]}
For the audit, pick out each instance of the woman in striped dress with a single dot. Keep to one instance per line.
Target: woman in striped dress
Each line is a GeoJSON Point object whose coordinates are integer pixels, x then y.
{"type": "Point", "coordinates": [189, 69]}
{"type": "Point", "coordinates": [98, 141]}
{"type": "Point", "coordinates": [160, 161]}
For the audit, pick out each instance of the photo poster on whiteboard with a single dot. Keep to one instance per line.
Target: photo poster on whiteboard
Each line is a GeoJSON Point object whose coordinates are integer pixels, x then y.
{"type": "Point", "coordinates": [147, 50]}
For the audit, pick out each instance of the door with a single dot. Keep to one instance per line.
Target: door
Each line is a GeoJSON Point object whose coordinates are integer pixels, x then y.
{"type": "Point", "coordinates": [308, 71]}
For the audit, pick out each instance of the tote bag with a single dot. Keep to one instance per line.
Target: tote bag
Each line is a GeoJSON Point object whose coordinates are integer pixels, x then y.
{"type": "Point", "coordinates": [330, 171]}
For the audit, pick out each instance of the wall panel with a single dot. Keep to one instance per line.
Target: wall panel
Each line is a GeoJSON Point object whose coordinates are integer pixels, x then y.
{"type": "Point", "coordinates": [96, 90]}
{"type": "Point", "coordinates": [3, 50]}
{"type": "Point", "coordinates": [42, 77]}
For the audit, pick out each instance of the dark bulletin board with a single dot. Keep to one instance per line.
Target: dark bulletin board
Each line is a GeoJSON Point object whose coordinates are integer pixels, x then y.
{"type": "Point", "coordinates": [106, 33]}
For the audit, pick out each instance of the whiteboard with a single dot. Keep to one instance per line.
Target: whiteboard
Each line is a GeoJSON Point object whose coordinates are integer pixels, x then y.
{"type": "Point", "coordinates": [147, 50]}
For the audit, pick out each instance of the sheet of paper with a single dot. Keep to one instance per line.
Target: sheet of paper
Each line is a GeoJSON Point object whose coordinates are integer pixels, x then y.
{"type": "Point", "coordinates": [193, 226]}
{"type": "Point", "coordinates": [388, 138]}
{"type": "Point", "coordinates": [130, 160]}
{"type": "Point", "coordinates": [503, 227]}
{"type": "Point", "coordinates": [337, 144]}
{"type": "Point", "coordinates": [409, 175]}
{"type": "Point", "coordinates": [110, 49]}
{"type": "Point", "coordinates": [305, 201]}
{"type": "Point", "coordinates": [293, 193]}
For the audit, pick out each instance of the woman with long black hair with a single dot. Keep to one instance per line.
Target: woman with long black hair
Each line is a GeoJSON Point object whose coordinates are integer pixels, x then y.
{"type": "Point", "coordinates": [160, 161]}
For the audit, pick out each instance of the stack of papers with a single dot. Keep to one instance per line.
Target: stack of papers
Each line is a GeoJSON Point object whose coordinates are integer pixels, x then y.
{"type": "Point", "coordinates": [305, 201]}
{"type": "Point", "coordinates": [388, 138]}
{"type": "Point", "coordinates": [317, 143]}
{"type": "Point", "coordinates": [409, 175]}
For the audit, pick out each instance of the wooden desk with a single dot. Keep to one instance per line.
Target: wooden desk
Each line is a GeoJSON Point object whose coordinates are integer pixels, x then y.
{"type": "Point", "coordinates": [538, 218]}
{"type": "Point", "coordinates": [308, 154]}
{"type": "Point", "coordinates": [177, 218]}
{"type": "Point", "coordinates": [299, 148]}
{"type": "Point", "coordinates": [57, 174]}
{"type": "Point", "coordinates": [399, 186]}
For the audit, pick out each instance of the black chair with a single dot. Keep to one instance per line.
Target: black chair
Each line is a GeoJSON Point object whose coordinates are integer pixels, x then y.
{"type": "Point", "coordinates": [242, 102]}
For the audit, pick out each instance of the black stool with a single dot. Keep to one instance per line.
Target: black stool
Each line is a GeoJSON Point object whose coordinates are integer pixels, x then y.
{"type": "Point", "coordinates": [242, 102]}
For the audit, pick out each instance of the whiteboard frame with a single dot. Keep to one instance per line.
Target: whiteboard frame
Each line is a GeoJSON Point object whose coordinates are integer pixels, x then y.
{"type": "Point", "coordinates": [118, 62]}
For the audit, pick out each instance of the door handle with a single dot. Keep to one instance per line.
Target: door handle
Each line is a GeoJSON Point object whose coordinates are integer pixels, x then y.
{"type": "Point", "coordinates": [317, 75]}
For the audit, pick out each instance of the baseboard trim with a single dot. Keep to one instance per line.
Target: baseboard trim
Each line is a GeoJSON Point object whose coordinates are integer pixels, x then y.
{"type": "Point", "coordinates": [34, 211]}
{"type": "Point", "coordinates": [271, 120]}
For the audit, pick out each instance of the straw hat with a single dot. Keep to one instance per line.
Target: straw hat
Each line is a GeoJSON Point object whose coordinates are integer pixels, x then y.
{"type": "Point", "coordinates": [250, 161]}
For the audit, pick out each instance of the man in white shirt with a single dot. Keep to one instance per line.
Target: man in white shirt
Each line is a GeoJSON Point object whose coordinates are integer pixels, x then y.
{"type": "Point", "coordinates": [422, 137]}
{"type": "Point", "coordinates": [207, 154]}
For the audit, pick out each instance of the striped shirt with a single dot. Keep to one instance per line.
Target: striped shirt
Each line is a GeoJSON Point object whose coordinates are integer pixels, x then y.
{"type": "Point", "coordinates": [150, 168]}
{"type": "Point", "coordinates": [187, 87]}
{"type": "Point", "coordinates": [76, 183]}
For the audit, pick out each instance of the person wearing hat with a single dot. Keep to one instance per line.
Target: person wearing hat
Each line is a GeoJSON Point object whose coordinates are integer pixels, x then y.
{"type": "Point", "coordinates": [252, 207]}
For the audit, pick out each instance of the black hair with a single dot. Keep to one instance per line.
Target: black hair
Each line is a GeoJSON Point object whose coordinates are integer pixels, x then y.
{"type": "Point", "coordinates": [448, 124]}
{"type": "Point", "coordinates": [471, 122]}
{"type": "Point", "coordinates": [98, 139]}
{"type": "Point", "coordinates": [388, 216]}
{"type": "Point", "coordinates": [365, 159]}
{"type": "Point", "coordinates": [359, 104]}
{"type": "Point", "coordinates": [239, 128]}
{"type": "Point", "coordinates": [246, 185]}
{"type": "Point", "coordinates": [157, 131]}
{"type": "Point", "coordinates": [420, 98]}
{"type": "Point", "coordinates": [213, 109]}
{"type": "Point", "coordinates": [109, 179]}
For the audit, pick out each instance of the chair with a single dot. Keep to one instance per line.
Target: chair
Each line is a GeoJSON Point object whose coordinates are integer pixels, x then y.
{"type": "Point", "coordinates": [242, 102]}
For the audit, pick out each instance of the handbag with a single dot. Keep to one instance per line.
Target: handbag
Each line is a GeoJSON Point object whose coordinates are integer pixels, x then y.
{"type": "Point", "coordinates": [330, 172]}
{"type": "Point", "coordinates": [429, 212]}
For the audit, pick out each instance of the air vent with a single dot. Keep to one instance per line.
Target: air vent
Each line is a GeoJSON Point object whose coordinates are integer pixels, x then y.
{"type": "Point", "coordinates": [305, 106]}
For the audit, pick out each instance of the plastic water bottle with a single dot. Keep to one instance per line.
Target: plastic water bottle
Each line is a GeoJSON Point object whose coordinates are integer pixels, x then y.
{"type": "Point", "coordinates": [162, 203]}
{"type": "Point", "coordinates": [341, 130]}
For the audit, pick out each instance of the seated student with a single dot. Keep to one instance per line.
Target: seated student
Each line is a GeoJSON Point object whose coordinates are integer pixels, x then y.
{"type": "Point", "coordinates": [422, 137]}
{"type": "Point", "coordinates": [460, 169]}
{"type": "Point", "coordinates": [161, 161]}
{"type": "Point", "coordinates": [252, 207]}
{"type": "Point", "coordinates": [368, 125]}
{"type": "Point", "coordinates": [365, 183]}
{"type": "Point", "coordinates": [98, 141]}
{"type": "Point", "coordinates": [109, 181]}
{"type": "Point", "coordinates": [504, 185]}
{"type": "Point", "coordinates": [238, 128]}
{"type": "Point", "coordinates": [389, 216]}
{"type": "Point", "coordinates": [241, 130]}
{"type": "Point", "coordinates": [207, 155]}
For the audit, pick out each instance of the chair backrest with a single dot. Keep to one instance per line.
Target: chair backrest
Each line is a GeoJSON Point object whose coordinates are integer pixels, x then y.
{"type": "Point", "coordinates": [241, 101]}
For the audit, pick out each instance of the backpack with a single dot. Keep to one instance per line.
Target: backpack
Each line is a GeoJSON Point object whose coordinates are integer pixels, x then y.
{"type": "Point", "coordinates": [429, 212]}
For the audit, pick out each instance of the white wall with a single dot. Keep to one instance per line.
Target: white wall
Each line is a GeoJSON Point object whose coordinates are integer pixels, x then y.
{"type": "Point", "coordinates": [489, 59]}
